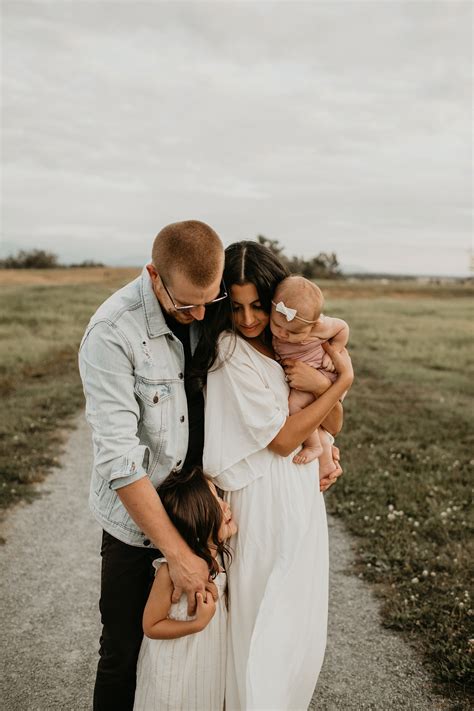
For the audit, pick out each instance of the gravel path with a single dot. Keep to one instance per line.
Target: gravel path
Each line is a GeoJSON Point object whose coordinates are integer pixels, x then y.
{"type": "Point", "coordinates": [49, 590]}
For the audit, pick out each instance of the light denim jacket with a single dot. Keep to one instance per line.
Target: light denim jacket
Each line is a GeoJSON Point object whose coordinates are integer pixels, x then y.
{"type": "Point", "coordinates": [132, 370]}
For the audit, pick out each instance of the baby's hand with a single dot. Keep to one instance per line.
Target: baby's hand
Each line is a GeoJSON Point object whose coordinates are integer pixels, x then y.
{"type": "Point", "coordinates": [327, 363]}
{"type": "Point", "coordinates": [204, 610]}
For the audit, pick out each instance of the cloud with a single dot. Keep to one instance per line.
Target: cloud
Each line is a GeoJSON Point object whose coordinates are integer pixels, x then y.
{"type": "Point", "coordinates": [344, 121]}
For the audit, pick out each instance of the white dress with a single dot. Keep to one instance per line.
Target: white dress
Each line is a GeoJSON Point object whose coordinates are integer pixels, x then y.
{"type": "Point", "coordinates": [186, 673]}
{"type": "Point", "coordinates": [278, 579]}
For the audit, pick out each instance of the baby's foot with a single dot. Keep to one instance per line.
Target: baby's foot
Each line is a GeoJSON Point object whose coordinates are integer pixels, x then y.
{"type": "Point", "coordinates": [326, 469]}
{"type": "Point", "coordinates": [307, 454]}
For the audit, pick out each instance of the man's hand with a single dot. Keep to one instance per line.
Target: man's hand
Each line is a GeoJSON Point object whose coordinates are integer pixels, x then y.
{"type": "Point", "coordinates": [324, 484]}
{"type": "Point", "coordinates": [189, 574]}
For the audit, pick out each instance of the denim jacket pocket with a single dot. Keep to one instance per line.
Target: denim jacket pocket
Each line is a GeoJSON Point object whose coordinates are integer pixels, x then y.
{"type": "Point", "coordinates": [154, 400]}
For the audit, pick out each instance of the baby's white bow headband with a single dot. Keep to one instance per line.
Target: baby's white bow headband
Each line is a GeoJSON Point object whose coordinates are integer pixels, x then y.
{"type": "Point", "coordinates": [289, 314]}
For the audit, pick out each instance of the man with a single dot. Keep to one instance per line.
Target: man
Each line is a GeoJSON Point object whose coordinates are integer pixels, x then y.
{"type": "Point", "coordinates": [132, 361]}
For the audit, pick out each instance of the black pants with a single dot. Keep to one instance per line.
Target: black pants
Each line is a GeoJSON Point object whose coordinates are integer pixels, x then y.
{"type": "Point", "coordinates": [127, 575]}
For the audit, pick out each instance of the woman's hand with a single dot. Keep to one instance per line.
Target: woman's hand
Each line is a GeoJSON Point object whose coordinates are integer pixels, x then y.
{"type": "Point", "coordinates": [302, 376]}
{"type": "Point", "coordinates": [342, 362]}
{"type": "Point", "coordinates": [328, 481]}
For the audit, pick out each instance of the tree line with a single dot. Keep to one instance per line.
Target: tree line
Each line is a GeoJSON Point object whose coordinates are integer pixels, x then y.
{"type": "Point", "coordinates": [323, 265]}
{"type": "Point", "coordinates": [40, 259]}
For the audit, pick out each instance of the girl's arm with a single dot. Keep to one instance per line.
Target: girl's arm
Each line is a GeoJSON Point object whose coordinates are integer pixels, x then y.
{"type": "Point", "coordinates": [341, 337]}
{"type": "Point", "coordinates": [333, 329]}
{"type": "Point", "coordinates": [156, 624]}
{"type": "Point", "coordinates": [300, 425]}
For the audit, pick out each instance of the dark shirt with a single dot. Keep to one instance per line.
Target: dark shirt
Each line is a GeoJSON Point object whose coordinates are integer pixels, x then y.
{"type": "Point", "coordinates": [195, 398]}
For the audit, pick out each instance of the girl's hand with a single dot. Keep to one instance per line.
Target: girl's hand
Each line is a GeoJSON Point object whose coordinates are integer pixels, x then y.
{"type": "Point", "coordinates": [205, 610]}
{"type": "Point", "coordinates": [342, 362]}
{"type": "Point", "coordinates": [302, 376]}
{"type": "Point", "coordinates": [324, 484]}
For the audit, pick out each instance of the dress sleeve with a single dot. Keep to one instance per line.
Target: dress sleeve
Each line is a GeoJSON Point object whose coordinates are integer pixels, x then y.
{"type": "Point", "coordinates": [157, 563]}
{"type": "Point", "coordinates": [242, 413]}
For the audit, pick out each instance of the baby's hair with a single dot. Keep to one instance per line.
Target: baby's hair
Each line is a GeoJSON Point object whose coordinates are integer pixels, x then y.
{"type": "Point", "coordinates": [195, 512]}
{"type": "Point", "coordinates": [299, 293]}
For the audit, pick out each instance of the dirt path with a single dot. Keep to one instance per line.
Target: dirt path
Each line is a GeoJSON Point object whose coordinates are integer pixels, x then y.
{"type": "Point", "coordinates": [50, 626]}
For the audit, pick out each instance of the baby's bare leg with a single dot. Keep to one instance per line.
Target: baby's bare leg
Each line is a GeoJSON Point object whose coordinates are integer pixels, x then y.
{"type": "Point", "coordinates": [312, 446]}
{"type": "Point", "coordinates": [326, 462]}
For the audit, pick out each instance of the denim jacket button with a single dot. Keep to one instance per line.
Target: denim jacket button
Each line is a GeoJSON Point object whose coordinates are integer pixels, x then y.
{"type": "Point", "coordinates": [156, 398]}
{"type": "Point", "coordinates": [170, 336]}
{"type": "Point", "coordinates": [178, 462]}
{"type": "Point", "coordinates": [180, 376]}
{"type": "Point", "coordinates": [181, 419]}
{"type": "Point", "coordinates": [146, 542]}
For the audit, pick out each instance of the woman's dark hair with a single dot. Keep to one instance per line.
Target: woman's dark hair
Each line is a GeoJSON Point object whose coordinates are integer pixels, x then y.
{"type": "Point", "coordinates": [195, 512]}
{"type": "Point", "coordinates": [246, 262]}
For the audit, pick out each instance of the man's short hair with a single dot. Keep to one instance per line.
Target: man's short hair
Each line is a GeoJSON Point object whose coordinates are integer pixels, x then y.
{"type": "Point", "coordinates": [191, 248]}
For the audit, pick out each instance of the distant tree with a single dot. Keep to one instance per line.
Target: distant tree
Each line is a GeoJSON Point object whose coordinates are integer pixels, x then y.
{"type": "Point", "coordinates": [324, 266]}
{"type": "Point", "coordinates": [273, 245]}
{"type": "Point", "coordinates": [30, 259]}
{"type": "Point", "coordinates": [86, 264]}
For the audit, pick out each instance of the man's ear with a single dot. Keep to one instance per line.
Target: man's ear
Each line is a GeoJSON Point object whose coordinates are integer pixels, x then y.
{"type": "Point", "coordinates": [152, 272]}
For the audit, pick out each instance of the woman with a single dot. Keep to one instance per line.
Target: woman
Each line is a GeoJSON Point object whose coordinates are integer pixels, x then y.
{"type": "Point", "coordinates": [279, 576]}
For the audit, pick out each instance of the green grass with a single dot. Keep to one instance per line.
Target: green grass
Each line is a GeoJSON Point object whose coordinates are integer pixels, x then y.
{"type": "Point", "coordinates": [406, 446]}
{"type": "Point", "coordinates": [40, 331]}
{"type": "Point", "coordinates": [408, 459]}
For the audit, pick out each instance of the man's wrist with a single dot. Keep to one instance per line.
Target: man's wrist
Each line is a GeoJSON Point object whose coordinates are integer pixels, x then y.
{"type": "Point", "coordinates": [175, 551]}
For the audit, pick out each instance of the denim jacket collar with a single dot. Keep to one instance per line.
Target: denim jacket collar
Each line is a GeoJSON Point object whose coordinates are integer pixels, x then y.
{"type": "Point", "coordinates": [155, 321]}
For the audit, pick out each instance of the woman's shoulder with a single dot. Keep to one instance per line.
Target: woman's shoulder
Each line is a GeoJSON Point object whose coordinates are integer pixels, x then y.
{"type": "Point", "coordinates": [229, 347]}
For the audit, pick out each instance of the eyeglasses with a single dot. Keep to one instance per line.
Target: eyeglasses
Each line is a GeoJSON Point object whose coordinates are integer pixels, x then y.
{"type": "Point", "coordinates": [222, 295]}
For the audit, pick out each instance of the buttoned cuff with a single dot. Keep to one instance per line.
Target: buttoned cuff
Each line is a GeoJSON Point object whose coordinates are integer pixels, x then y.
{"type": "Point", "coordinates": [131, 468]}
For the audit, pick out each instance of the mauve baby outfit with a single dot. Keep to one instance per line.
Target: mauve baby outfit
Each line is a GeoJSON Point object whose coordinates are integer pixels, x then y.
{"type": "Point", "coordinates": [310, 351]}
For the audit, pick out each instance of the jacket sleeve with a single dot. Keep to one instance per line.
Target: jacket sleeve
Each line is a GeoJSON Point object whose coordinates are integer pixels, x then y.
{"type": "Point", "coordinates": [106, 368]}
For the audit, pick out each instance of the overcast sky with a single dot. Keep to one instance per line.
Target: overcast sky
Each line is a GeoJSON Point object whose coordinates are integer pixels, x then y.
{"type": "Point", "coordinates": [339, 126]}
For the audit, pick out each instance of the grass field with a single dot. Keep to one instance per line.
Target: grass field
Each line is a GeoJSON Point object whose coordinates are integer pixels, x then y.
{"type": "Point", "coordinates": [406, 446]}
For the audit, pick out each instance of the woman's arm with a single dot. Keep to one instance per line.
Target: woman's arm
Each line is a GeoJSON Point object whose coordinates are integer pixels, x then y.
{"type": "Point", "coordinates": [334, 421]}
{"type": "Point", "coordinates": [156, 624]}
{"type": "Point", "coordinates": [300, 425]}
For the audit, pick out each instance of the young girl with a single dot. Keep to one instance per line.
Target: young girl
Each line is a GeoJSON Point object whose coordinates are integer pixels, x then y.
{"type": "Point", "coordinates": [299, 330]}
{"type": "Point", "coordinates": [182, 659]}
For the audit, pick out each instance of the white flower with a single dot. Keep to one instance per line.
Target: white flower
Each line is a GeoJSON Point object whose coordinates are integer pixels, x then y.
{"type": "Point", "coordinates": [416, 523]}
{"type": "Point", "coordinates": [425, 573]}
{"type": "Point", "coordinates": [443, 514]}
{"type": "Point", "coordinates": [415, 580]}
{"type": "Point", "coordinates": [391, 507]}
{"type": "Point", "coordinates": [391, 517]}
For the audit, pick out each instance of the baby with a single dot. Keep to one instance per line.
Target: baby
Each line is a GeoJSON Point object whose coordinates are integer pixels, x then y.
{"type": "Point", "coordinates": [299, 330]}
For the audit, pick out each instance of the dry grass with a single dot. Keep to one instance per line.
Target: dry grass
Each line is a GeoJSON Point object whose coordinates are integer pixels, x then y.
{"type": "Point", "coordinates": [63, 277]}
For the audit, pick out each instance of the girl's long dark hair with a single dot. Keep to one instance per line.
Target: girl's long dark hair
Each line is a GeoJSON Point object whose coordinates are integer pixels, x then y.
{"type": "Point", "coordinates": [195, 513]}
{"type": "Point", "coordinates": [246, 262]}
